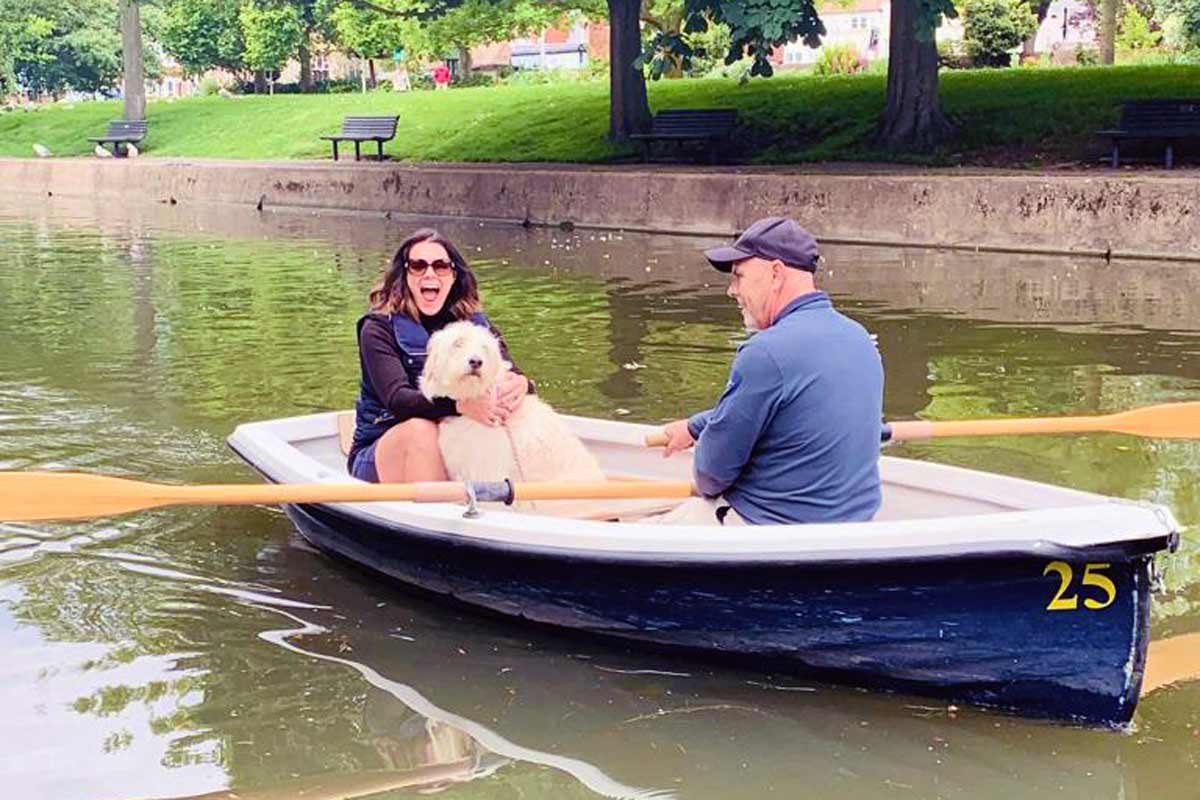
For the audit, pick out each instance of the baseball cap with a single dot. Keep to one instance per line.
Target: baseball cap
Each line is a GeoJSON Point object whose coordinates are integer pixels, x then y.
{"type": "Point", "coordinates": [770, 238]}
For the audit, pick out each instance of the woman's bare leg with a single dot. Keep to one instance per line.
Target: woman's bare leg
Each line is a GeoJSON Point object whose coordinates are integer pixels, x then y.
{"type": "Point", "coordinates": [409, 452]}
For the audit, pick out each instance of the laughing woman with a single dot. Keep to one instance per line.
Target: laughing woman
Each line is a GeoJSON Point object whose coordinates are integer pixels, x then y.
{"type": "Point", "coordinates": [427, 286]}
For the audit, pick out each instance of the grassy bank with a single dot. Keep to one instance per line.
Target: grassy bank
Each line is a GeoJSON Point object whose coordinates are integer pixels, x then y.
{"type": "Point", "coordinates": [1007, 117]}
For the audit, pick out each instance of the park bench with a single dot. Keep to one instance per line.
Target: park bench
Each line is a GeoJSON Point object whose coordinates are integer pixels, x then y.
{"type": "Point", "coordinates": [1171, 121]}
{"type": "Point", "coordinates": [120, 133]}
{"type": "Point", "coordinates": [364, 129]}
{"type": "Point", "coordinates": [710, 126]}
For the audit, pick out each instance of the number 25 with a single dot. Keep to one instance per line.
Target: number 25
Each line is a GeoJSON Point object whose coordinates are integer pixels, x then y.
{"type": "Point", "coordinates": [1091, 577]}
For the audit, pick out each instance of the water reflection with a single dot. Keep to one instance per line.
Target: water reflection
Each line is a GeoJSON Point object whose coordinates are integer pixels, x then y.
{"type": "Point", "coordinates": [207, 652]}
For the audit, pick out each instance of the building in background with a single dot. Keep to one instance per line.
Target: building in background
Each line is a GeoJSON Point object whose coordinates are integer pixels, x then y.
{"type": "Point", "coordinates": [573, 46]}
{"type": "Point", "coordinates": [864, 25]}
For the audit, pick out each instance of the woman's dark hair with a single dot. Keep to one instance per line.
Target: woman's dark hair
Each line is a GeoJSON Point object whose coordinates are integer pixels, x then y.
{"type": "Point", "coordinates": [392, 296]}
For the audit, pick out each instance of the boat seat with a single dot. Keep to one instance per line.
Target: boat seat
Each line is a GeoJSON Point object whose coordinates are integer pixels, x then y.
{"type": "Point", "coordinates": [345, 428]}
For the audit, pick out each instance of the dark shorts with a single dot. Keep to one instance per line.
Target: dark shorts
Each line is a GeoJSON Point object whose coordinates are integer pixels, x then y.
{"type": "Point", "coordinates": [363, 466]}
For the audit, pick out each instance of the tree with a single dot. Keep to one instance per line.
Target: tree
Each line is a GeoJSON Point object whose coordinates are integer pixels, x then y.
{"type": "Point", "coordinates": [1108, 30]}
{"type": "Point", "coordinates": [272, 34]}
{"type": "Point", "coordinates": [72, 44]}
{"type": "Point", "coordinates": [1184, 19]}
{"type": "Point", "coordinates": [204, 34]}
{"type": "Point", "coordinates": [993, 28]}
{"type": "Point", "coordinates": [370, 34]}
{"type": "Point", "coordinates": [131, 60]}
{"type": "Point", "coordinates": [22, 35]}
{"type": "Point", "coordinates": [912, 116]}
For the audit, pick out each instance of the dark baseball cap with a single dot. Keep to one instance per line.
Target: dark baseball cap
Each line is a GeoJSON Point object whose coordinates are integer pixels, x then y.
{"type": "Point", "coordinates": [771, 238]}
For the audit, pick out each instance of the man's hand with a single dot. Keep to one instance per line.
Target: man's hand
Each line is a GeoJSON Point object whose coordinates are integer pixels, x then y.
{"type": "Point", "coordinates": [513, 388]}
{"type": "Point", "coordinates": [483, 409]}
{"type": "Point", "coordinates": [678, 437]}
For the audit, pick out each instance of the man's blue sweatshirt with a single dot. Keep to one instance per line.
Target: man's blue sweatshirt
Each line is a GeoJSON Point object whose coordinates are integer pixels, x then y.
{"type": "Point", "coordinates": [795, 436]}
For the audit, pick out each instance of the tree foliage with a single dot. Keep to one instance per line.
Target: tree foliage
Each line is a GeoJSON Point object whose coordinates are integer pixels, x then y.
{"type": "Point", "coordinates": [52, 47]}
{"type": "Point", "coordinates": [1134, 31]}
{"type": "Point", "coordinates": [993, 28]}
{"type": "Point", "coordinates": [756, 28]}
{"type": "Point", "coordinates": [1186, 14]}
{"type": "Point", "coordinates": [203, 34]}
{"type": "Point", "coordinates": [273, 32]}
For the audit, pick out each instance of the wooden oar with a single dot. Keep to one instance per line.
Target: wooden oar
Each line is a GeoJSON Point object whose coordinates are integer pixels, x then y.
{"type": "Point", "coordinates": [1166, 421]}
{"type": "Point", "coordinates": [32, 496]}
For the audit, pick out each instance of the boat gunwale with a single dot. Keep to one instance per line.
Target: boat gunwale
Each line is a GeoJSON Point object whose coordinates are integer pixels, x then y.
{"type": "Point", "coordinates": [502, 521]}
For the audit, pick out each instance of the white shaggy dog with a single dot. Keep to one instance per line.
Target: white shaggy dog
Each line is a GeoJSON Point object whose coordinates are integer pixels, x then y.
{"type": "Point", "coordinates": [463, 361]}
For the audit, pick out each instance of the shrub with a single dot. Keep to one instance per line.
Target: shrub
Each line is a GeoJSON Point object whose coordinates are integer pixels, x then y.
{"type": "Point", "coordinates": [995, 27]}
{"type": "Point", "coordinates": [475, 79]}
{"type": "Point", "coordinates": [208, 86]}
{"type": "Point", "coordinates": [738, 70]}
{"type": "Point", "coordinates": [838, 59]}
{"type": "Point", "coordinates": [537, 77]}
{"type": "Point", "coordinates": [1133, 30]}
{"type": "Point", "coordinates": [952, 54]}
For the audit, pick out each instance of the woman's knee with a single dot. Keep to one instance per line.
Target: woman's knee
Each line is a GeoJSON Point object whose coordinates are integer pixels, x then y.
{"type": "Point", "coordinates": [419, 431]}
{"type": "Point", "coordinates": [411, 434]}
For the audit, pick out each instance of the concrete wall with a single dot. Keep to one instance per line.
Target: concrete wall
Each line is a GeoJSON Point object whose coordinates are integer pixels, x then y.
{"type": "Point", "coordinates": [1124, 216]}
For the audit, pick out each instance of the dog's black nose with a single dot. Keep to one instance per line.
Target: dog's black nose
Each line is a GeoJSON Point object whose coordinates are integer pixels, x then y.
{"type": "Point", "coordinates": [474, 363]}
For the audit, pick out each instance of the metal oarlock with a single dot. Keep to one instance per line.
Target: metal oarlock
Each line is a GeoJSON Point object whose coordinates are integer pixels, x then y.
{"type": "Point", "coordinates": [472, 506]}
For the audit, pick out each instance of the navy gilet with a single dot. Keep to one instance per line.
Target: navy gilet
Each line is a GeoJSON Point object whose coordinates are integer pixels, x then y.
{"type": "Point", "coordinates": [371, 417]}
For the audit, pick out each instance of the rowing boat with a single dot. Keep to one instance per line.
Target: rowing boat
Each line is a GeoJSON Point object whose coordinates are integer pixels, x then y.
{"type": "Point", "coordinates": [967, 585]}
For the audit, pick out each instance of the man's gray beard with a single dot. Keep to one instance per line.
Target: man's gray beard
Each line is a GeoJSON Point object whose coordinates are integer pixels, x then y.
{"type": "Point", "coordinates": [749, 324]}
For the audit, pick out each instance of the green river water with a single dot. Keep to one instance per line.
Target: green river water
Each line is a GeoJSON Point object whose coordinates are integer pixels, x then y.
{"type": "Point", "coordinates": [211, 652]}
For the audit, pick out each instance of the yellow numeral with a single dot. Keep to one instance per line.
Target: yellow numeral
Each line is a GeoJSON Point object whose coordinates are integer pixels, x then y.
{"type": "Point", "coordinates": [1060, 603]}
{"type": "Point", "coordinates": [1091, 577]}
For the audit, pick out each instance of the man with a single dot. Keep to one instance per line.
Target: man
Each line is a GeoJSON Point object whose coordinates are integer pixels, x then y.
{"type": "Point", "coordinates": [795, 435]}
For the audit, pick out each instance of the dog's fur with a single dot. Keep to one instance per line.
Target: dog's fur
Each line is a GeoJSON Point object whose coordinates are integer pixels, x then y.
{"type": "Point", "coordinates": [463, 361]}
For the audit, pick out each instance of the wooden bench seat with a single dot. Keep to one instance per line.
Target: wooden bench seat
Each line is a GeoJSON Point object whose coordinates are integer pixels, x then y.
{"type": "Point", "coordinates": [364, 129]}
{"type": "Point", "coordinates": [120, 133]}
{"type": "Point", "coordinates": [1169, 120]}
{"type": "Point", "coordinates": [710, 126]}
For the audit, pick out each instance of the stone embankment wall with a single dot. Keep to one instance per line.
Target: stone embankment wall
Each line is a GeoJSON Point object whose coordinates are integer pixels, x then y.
{"type": "Point", "coordinates": [1154, 215]}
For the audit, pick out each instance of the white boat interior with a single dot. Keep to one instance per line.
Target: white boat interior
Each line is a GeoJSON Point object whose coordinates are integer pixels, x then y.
{"type": "Point", "coordinates": [928, 508]}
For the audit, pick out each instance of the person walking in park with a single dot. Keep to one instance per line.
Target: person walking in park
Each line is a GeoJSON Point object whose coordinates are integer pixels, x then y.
{"type": "Point", "coordinates": [441, 76]}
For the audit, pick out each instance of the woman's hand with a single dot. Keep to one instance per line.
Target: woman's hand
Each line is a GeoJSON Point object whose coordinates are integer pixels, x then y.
{"type": "Point", "coordinates": [484, 409]}
{"type": "Point", "coordinates": [513, 389]}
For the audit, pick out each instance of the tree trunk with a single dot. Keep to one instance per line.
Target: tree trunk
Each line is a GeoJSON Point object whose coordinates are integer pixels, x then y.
{"type": "Point", "coordinates": [260, 81]}
{"type": "Point", "coordinates": [912, 119]}
{"type": "Point", "coordinates": [464, 62]}
{"type": "Point", "coordinates": [305, 57]}
{"type": "Point", "coordinates": [131, 57]}
{"type": "Point", "coordinates": [1108, 30]}
{"type": "Point", "coordinates": [628, 110]}
{"type": "Point", "coordinates": [1029, 48]}
{"type": "Point", "coordinates": [371, 79]}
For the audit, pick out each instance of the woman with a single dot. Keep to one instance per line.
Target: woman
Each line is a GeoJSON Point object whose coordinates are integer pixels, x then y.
{"type": "Point", "coordinates": [427, 286]}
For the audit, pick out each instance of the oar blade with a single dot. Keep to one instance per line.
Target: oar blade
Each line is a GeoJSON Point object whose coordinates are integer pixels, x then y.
{"type": "Point", "coordinates": [40, 496]}
{"type": "Point", "coordinates": [1166, 421]}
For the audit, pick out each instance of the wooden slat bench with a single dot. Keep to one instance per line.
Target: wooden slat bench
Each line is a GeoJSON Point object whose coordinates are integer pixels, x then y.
{"type": "Point", "coordinates": [1170, 120]}
{"type": "Point", "coordinates": [120, 133]}
{"type": "Point", "coordinates": [364, 129]}
{"type": "Point", "coordinates": [711, 126]}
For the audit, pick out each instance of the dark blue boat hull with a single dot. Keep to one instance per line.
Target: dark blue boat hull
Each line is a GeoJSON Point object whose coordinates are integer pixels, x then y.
{"type": "Point", "coordinates": [968, 629]}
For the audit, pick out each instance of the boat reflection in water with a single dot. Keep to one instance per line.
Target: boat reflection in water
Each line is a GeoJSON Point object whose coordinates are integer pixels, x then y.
{"type": "Point", "coordinates": [491, 699]}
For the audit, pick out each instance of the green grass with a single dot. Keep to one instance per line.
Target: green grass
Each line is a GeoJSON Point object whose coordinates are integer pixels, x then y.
{"type": "Point", "coordinates": [1008, 117]}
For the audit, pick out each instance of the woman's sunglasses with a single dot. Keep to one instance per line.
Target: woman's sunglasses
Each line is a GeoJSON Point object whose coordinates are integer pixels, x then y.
{"type": "Point", "coordinates": [440, 268]}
